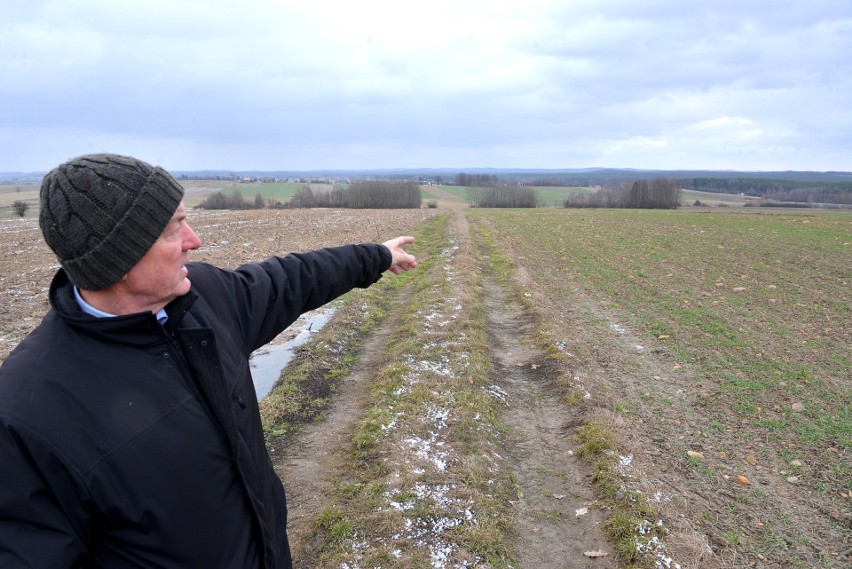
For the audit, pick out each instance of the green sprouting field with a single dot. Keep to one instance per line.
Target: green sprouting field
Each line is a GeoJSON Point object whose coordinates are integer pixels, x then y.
{"type": "Point", "coordinates": [722, 340]}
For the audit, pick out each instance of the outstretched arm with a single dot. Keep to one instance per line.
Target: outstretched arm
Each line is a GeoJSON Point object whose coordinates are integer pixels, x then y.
{"type": "Point", "coordinates": [401, 261]}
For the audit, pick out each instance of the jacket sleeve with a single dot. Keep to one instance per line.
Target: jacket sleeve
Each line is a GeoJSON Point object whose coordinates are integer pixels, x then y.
{"type": "Point", "coordinates": [271, 295]}
{"type": "Point", "coordinates": [35, 530]}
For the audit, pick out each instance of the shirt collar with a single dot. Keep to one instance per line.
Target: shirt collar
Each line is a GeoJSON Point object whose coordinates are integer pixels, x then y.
{"type": "Point", "coordinates": [89, 309]}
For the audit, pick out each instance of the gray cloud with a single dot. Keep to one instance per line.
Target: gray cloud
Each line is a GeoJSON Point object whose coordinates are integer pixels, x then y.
{"type": "Point", "coordinates": [266, 84]}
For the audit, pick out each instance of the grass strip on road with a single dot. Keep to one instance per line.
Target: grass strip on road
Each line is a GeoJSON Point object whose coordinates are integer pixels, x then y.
{"type": "Point", "coordinates": [423, 485]}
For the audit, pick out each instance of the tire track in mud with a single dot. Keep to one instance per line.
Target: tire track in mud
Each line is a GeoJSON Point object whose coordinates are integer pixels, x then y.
{"type": "Point", "coordinates": [553, 485]}
{"type": "Point", "coordinates": [314, 457]}
{"type": "Point", "coordinates": [555, 516]}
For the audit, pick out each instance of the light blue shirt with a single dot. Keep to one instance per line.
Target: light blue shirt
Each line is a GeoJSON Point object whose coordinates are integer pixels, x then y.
{"type": "Point", "coordinates": [89, 309]}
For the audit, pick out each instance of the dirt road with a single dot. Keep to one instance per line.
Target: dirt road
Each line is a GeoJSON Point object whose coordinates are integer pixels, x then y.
{"type": "Point", "coordinates": [553, 518]}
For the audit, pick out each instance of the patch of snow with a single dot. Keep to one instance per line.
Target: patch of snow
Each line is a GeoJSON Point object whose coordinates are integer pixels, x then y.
{"type": "Point", "coordinates": [438, 417]}
{"type": "Point", "coordinates": [654, 546]}
{"type": "Point", "coordinates": [496, 392]}
{"type": "Point", "coordinates": [660, 497]}
{"type": "Point", "coordinates": [441, 368]}
{"type": "Point", "coordinates": [392, 425]}
{"type": "Point", "coordinates": [430, 450]}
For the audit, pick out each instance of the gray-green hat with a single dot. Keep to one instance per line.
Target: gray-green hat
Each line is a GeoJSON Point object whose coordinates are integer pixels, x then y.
{"type": "Point", "coordinates": [100, 213]}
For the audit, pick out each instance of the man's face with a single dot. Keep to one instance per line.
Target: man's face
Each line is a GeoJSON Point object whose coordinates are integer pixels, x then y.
{"type": "Point", "coordinates": [160, 276]}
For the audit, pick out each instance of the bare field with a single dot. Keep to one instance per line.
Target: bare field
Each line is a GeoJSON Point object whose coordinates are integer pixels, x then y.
{"type": "Point", "coordinates": [229, 238]}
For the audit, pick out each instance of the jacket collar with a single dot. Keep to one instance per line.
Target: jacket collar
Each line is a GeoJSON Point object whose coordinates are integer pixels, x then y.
{"type": "Point", "coordinates": [139, 329]}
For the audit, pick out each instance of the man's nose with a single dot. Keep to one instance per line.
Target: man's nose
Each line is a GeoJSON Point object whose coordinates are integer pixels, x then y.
{"type": "Point", "coordinates": [192, 241]}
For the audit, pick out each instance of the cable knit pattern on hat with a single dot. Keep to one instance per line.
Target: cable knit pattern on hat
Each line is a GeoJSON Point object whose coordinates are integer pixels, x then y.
{"type": "Point", "coordinates": [100, 213]}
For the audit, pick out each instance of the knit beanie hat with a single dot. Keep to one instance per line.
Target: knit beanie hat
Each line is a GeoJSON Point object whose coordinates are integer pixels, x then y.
{"type": "Point", "coordinates": [100, 213]}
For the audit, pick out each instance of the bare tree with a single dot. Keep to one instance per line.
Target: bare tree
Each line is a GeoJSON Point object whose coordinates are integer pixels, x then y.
{"type": "Point", "coordinates": [21, 207]}
{"type": "Point", "coordinates": [660, 193]}
{"type": "Point", "coordinates": [218, 200]}
{"type": "Point", "coordinates": [378, 194]}
{"type": "Point", "coordinates": [502, 196]}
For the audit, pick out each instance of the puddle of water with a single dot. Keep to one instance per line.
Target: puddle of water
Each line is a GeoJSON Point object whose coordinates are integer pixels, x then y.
{"type": "Point", "coordinates": [268, 362]}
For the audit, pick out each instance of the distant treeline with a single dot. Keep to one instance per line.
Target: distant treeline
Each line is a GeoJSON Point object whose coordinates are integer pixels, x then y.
{"type": "Point", "coordinates": [614, 177]}
{"type": "Point", "coordinates": [502, 196]}
{"type": "Point", "coordinates": [545, 183]}
{"type": "Point", "coordinates": [805, 187]}
{"type": "Point", "coordinates": [779, 190]}
{"type": "Point", "coordinates": [476, 180]}
{"type": "Point", "coordinates": [236, 200]}
{"type": "Point", "coordinates": [659, 193]}
{"type": "Point", "coordinates": [374, 194]}
{"type": "Point", "coordinates": [371, 194]}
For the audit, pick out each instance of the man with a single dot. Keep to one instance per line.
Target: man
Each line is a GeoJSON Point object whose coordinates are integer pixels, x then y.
{"type": "Point", "coordinates": [129, 426]}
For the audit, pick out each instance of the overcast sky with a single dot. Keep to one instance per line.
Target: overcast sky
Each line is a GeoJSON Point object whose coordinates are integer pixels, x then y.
{"type": "Point", "coordinates": [316, 84]}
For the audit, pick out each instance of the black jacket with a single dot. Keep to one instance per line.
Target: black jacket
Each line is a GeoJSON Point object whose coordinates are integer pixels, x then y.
{"type": "Point", "coordinates": [126, 443]}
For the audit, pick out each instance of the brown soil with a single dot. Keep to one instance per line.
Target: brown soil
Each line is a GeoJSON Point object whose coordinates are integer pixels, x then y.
{"type": "Point", "coordinates": [229, 239]}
